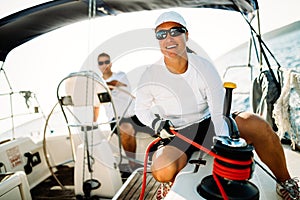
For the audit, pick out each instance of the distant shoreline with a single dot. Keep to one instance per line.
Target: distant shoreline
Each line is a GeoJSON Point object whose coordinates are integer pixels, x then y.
{"type": "Point", "coordinates": [283, 30]}
{"type": "Point", "coordinates": [295, 26]}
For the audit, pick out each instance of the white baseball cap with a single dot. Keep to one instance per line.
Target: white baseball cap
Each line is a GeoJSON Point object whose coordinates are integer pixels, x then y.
{"type": "Point", "coordinates": [170, 16]}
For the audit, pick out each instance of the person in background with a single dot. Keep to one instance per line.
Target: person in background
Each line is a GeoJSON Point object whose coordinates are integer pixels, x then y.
{"type": "Point", "coordinates": [124, 106]}
{"type": "Point", "coordinates": [185, 91]}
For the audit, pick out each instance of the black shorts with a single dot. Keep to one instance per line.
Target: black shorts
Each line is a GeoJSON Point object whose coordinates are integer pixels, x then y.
{"type": "Point", "coordinates": [136, 123]}
{"type": "Point", "coordinates": [236, 113]}
{"type": "Point", "coordinates": [201, 133]}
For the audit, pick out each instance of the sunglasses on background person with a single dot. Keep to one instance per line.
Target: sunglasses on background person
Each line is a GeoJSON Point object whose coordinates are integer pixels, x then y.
{"type": "Point", "coordinates": [103, 62]}
{"type": "Point", "coordinates": [174, 31]}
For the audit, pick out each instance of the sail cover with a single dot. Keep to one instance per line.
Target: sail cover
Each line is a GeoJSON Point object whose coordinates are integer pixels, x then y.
{"type": "Point", "coordinates": [22, 26]}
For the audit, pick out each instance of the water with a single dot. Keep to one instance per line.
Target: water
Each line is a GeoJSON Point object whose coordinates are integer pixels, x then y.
{"type": "Point", "coordinates": [286, 49]}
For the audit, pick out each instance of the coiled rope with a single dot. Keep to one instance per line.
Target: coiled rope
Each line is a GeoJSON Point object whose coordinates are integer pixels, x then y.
{"type": "Point", "coordinates": [242, 172]}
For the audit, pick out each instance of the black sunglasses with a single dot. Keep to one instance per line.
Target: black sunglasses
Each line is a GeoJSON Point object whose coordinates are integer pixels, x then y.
{"type": "Point", "coordinates": [102, 62]}
{"type": "Point", "coordinates": [174, 31]}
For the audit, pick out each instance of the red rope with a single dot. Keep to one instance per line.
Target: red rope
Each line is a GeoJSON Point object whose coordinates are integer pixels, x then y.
{"type": "Point", "coordinates": [222, 191]}
{"type": "Point", "coordinates": [231, 173]}
{"type": "Point", "coordinates": [218, 169]}
{"type": "Point", "coordinates": [145, 167]}
{"type": "Point", "coordinates": [236, 162]}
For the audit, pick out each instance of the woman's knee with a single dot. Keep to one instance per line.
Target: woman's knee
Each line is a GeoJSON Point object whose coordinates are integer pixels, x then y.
{"type": "Point", "coordinates": [127, 129]}
{"type": "Point", "coordinates": [253, 127]}
{"type": "Point", "coordinates": [251, 121]}
{"type": "Point", "coordinates": [164, 173]}
{"type": "Point", "coordinates": [165, 165]}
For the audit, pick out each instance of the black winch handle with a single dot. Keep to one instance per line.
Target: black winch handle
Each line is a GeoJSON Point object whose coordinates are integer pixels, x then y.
{"type": "Point", "coordinates": [233, 130]}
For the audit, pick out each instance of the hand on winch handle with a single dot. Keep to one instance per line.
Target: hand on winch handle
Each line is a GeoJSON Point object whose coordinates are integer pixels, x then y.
{"type": "Point", "coordinates": [162, 129]}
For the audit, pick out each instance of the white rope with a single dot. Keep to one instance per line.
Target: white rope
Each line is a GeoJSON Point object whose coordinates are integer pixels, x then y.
{"type": "Point", "coordinates": [280, 112]}
{"type": "Point", "coordinates": [294, 106]}
{"type": "Point", "coordinates": [282, 109]}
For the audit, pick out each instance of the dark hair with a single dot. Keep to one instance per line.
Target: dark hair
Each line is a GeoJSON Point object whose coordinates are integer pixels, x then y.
{"type": "Point", "coordinates": [190, 50]}
{"type": "Point", "coordinates": [103, 55]}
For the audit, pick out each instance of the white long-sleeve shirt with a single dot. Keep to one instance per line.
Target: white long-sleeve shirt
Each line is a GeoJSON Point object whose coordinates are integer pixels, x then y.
{"type": "Point", "coordinates": [184, 98]}
{"type": "Point", "coordinates": [123, 102]}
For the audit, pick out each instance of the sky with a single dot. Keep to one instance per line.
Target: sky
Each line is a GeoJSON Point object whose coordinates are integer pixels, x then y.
{"type": "Point", "coordinates": [43, 62]}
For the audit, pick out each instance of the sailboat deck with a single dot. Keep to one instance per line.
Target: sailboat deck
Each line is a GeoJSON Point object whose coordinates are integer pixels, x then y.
{"type": "Point", "coordinates": [133, 186]}
{"type": "Point", "coordinates": [50, 189]}
{"type": "Point", "coordinates": [131, 189]}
